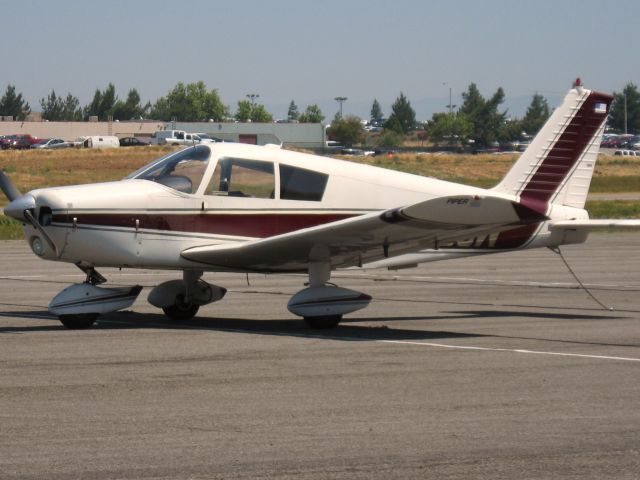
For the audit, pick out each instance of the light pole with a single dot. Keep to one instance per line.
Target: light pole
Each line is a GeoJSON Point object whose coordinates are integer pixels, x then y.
{"type": "Point", "coordinates": [340, 100]}
{"type": "Point", "coordinates": [252, 98]}
{"type": "Point", "coordinates": [625, 112]}
{"type": "Point", "coordinates": [450, 106]}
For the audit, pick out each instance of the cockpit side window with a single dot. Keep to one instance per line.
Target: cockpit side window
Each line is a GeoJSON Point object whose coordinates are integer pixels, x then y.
{"type": "Point", "coordinates": [238, 177]}
{"type": "Point", "coordinates": [301, 184]}
{"type": "Point", "coordinates": [182, 171]}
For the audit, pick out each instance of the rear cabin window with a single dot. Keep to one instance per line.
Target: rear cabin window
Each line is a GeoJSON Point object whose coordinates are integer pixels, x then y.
{"type": "Point", "coordinates": [301, 184]}
{"type": "Point", "coordinates": [238, 177]}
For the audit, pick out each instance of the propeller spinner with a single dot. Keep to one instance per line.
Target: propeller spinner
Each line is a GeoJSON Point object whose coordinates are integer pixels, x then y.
{"type": "Point", "coordinates": [22, 208]}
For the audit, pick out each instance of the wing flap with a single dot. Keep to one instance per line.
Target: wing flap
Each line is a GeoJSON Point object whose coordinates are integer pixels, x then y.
{"type": "Point", "coordinates": [372, 236]}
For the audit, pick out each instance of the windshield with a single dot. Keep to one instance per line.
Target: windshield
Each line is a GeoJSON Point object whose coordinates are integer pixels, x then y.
{"type": "Point", "coordinates": [182, 170]}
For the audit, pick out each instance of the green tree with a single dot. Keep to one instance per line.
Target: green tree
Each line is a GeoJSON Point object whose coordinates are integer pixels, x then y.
{"type": "Point", "coordinates": [102, 103]}
{"type": "Point", "coordinates": [389, 138]}
{"type": "Point", "coordinates": [348, 130]}
{"type": "Point", "coordinates": [292, 113]}
{"type": "Point", "coordinates": [403, 117]}
{"type": "Point", "coordinates": [129, 109]}
{"type": "Point", "coordinates": [473, 101]}
{"type": "Point", "coordinates": [213, 107]}
{"type": "Point", "coordinates": [250, 112]}
{"type": "Point", "coordinates": [93, 108]}
{"type": "Point", "coordinates": [376, 112]}
{"type": "Point", "coordinates": [243, 113]}
{"type": "Point", "coordinates": [617, 114]}
{"type": "Point", "coordinates": [483, 115]}
{"type": "Point", "coordinates": [108, 102]}
{"type": "Point", "coordinates": [451, 129]}
{"type": "Point", "coordinates": [51, 107]}
{"type": "Point", "coordinates": [190, 103]}
{"type": "Point", "coordinates": [259, 114]}
{"type": "Point", "coordinates": [312, 114]}
{"type": "Point", "coordinates": [537, 113]}
{"type": "Point", "coordinates": [511, 130]}
{"type": "Point", "coordinates": [12, 104]}
{"type": "Point", "coordinates": [56, 108]}
{"type": "Point", "coordinates": [71, 110]}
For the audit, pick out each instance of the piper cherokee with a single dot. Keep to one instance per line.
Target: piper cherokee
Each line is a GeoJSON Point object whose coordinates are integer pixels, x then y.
{"type": "Point", "coordinates": [243, 208]}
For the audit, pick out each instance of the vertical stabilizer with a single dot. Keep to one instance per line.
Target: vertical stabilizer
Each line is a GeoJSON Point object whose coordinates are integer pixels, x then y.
{"type": "Point", "coordinates": [558, 165]}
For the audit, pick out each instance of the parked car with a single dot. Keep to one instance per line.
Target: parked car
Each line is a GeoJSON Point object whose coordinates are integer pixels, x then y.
{"type": "Point", "coordinates": [357, 152]}
{"type": "Point", "coordinates": [206, 138]}
{"type": "Point", "coordinates": [160, 137]}
{"type": "Point", "coordinates": [175, 137]}
{"type": "Point", "coordinates": [78, 142]}
{"type": "Point", "coordinates": [6, 141]}
{"type": "Point", "coordinates": [51, 143]}
{"type": "Point", "coordinates": [101, 141]}
{"type": "Point", "coordinates": [18, 141]}
{"type": "Point", "coordinates": [21, 143]}
{"type": "Point", "coordinates": [132, 142]}
{"type": "Point", "coordinates": [634, 143]}
{"type": "Point", "coordinates": [627, 153]}
{"type": "Point", "coordinates": [183, 138]}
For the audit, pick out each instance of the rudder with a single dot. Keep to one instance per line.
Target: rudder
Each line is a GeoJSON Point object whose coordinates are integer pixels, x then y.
{"type": "Point", "coordinates": [558, 164]}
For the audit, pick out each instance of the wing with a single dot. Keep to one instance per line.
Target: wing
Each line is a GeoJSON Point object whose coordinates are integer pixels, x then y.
{"type": "Point", "coordinates": [371, 236]}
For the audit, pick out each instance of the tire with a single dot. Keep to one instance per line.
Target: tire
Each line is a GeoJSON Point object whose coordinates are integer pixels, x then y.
{"type": "Point", "coordinates": [78, 322]}
{"type": "Point", "coordinates": [325, 322]}
{"type": "Point", "coordinates": [181, 310]}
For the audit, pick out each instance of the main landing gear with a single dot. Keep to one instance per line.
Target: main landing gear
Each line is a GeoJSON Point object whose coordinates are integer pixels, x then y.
{"type": "Point", "coordinates": [181, 299]}
{"type": "Point", "coordinates": [322, 304]}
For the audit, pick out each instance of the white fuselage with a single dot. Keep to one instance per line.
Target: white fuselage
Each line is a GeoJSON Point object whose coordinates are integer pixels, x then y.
{"type": "Point", "coordinates": [146, 224]}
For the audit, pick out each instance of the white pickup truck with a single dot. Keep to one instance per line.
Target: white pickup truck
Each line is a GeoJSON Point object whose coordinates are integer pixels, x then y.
{"type": "Point", "coordinates": [176, 137]}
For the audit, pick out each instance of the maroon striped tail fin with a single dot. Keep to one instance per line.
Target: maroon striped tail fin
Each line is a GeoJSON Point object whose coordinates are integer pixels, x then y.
{"type": "Point", "coordinates": [558, 165]}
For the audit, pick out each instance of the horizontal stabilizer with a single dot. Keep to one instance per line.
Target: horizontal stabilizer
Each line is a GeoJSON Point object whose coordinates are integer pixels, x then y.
{"type": "Point", "coordinates": [594, 224]}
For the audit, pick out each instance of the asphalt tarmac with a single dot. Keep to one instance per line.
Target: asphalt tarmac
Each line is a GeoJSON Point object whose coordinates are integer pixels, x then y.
{"type": "Point", "coordinates": [493, 367]}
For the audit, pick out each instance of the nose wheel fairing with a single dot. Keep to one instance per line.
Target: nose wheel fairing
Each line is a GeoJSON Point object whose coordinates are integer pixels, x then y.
{"type": "Point", "coordinates": [85, 299]}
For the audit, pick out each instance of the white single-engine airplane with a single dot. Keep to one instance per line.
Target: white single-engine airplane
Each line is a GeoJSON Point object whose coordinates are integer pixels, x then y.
{"type": "Point", "coordinates": [241, 208]}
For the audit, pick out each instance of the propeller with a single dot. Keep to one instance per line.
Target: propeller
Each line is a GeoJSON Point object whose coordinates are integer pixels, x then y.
{"type": "Point", "coordinates": [22, 208]}
{"type": "Point", "coordinates": [8, 188]}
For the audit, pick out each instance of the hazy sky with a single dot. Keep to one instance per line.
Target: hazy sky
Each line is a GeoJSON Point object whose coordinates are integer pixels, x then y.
{"type": "Point", "coordinates": [312, 51]}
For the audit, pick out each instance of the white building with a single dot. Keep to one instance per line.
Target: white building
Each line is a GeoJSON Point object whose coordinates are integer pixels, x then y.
{"type": "Point", "coordinates": [303, 135]}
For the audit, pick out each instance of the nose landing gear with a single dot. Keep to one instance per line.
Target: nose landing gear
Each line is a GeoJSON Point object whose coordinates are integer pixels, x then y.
{"type": "Point", "coordinates": [79, 305]}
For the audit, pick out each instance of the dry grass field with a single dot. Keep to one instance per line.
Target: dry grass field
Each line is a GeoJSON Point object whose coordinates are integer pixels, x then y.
{"type": "Point", "coordinates": [31, 169]}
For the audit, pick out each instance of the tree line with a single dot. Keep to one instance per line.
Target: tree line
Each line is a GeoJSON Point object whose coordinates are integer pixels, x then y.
{"type": "Point", "coordinates": [191, 102]}
{"type": "Point", "coordinates": [478, 120]}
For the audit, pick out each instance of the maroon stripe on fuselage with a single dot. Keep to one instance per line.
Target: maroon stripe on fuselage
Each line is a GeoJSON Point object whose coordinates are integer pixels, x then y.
{"type": "Point", "coordinates": [260, 225]}
{"type": "Point", "coordinates": [566, 152]}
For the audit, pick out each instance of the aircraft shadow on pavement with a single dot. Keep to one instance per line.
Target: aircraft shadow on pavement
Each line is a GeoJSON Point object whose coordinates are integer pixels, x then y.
{"type": "Point", "coordinates": [280, 327]}
{"type": "Point", "coordinates": [349, 329]}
